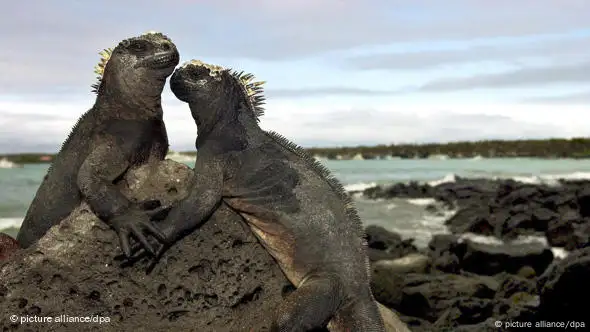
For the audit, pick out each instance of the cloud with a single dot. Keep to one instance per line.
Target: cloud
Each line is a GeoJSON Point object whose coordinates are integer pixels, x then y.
{"type": "Point", "coordinates": [327, 91]}
{"type": "Point", "coordinates": [41, 127]}
{"type": "Point", "coordinates": [343, 24]}
{"type": "Point", "coordinates": [52, 45]}
{"type": "Point", "coordinates": [369, 126]}
{"type": "Point", "coordinates": [551, 47]}
{"type": "Point", "coordinates": [530, 76]}
{"type": "Point", "coordinates": [566, 99]}
{"type": "Point", "coordinates": [51, 48]}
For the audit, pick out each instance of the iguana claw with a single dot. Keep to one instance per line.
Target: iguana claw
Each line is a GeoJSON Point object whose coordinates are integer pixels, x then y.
{"type": "Point", "coordinates": [137, 223]}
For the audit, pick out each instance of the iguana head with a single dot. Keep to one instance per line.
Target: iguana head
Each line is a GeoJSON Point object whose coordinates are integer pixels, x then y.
{"type": "Point", "coordinates": [214, 92]}
{"type": "Point", "coordinates": [138, 64]}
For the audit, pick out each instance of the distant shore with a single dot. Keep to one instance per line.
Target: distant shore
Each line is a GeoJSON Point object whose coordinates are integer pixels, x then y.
{"type": "Point", "coordinates": [577, 148]}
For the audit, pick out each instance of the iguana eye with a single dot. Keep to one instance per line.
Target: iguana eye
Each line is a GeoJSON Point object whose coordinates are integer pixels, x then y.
{"type": "Point", "coordinates": [138, 46]}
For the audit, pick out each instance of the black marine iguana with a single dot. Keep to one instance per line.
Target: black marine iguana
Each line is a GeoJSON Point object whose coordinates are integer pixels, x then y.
{"type": "Point", "coordinates": [298, 211]}
{"type": "Point", "coordinates": [123, 129]}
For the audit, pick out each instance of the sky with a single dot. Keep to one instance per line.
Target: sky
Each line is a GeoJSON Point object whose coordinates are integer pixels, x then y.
{"type": "Point", "coordinates": [338, 72]}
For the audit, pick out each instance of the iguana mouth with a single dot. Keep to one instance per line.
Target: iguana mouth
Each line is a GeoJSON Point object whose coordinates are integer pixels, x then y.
{"type": "Point", "coordinates": [161, 60]}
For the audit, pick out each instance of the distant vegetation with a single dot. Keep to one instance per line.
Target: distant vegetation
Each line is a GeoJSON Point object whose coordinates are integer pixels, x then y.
{"type": "Point", "coordinates": [546, 148]}
{"type": "Point", "coordinates": [28, 158]}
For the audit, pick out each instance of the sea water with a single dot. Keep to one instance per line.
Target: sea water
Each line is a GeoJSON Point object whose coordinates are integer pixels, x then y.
{"type": "Point", "coordinates": [405, 216]}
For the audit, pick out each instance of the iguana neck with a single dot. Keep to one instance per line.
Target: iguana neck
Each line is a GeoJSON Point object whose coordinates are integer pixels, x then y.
{"type": "Point", "coordinates": [233, 122]}
{"type": "Point", "coordinates": [129, 107]}
{"type": "Point", "coordinates": [145, 97]}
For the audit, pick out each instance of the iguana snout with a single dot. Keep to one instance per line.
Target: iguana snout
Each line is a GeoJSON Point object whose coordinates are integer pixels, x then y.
{"type": "Point", "coordinates": [194, 80]}
{"type": "Point", "coordinates": [165, 57]}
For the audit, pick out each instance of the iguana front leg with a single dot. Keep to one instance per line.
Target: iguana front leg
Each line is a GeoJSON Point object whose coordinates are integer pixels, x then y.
{"type": "Point", "coordinates": [96, 177]}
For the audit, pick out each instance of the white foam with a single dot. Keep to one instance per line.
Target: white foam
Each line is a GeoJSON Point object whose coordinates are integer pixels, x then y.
{"type": "Point", "coordinates": [355, 187]}
{"type": "Point", "coordinates": [548, 179]}
{"type": "Point", "coordinates": [10, 223]}
{"type": "Point", "coordinates": [421, 201]}
{"type": "Point", "coordinates": [449, 178]}
{"type": "Point", "coordinates": [557, 251]}
{"type": "Point", "coordinates": [391, 206]}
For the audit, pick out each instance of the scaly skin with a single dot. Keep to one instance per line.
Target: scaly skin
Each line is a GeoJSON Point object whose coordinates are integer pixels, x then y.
{"type": "Point", "coordinates": [298, 211]}
{"type": "Point", "coordinates": [123, 129]}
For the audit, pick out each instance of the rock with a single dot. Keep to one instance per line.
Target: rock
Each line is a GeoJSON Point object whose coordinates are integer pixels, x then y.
{"type": "Point", "coordinates": [8, 246]}
{"type": "Point", "coordinates": [443, 248]}
{"type": "Point", "coordinates": [520, 194]}
{"type": "Point", "coordinates": [564, 287]}
{"type": "Point", "coordinates": [399, 190]}
{"type": "Point", "coordinates": [570, 232]}
{"type": "Point", "coordinates": [472, 220]}
{"type": "Point", "coordinates": [429, 296]}
{"type": "Point", "coordinates": [384, 244]}
{"type": "Point", "coordinates": [216, 279]}
{"type": "Point", "coordinates": [526, 272]}
{"type": "Point", "coordinates": [511, 284]}
{"type": "Point", "coordinates": [507, 208]}
{"type": "Point", "coordinates": [387, 288]}
{"type": "Point", "coordinates": [412, 263]}
{"type": "Point", "coordinates": [465, 311]}
{"type": "Point", "coordinates": [490, 259]}
{"type": "Point", "coordinates": [583, 197]}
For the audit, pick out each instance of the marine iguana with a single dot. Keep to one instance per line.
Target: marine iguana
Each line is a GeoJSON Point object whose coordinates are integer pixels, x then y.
{"type": "Point", "coordinates": [299, 212]}
{"type": "Point", "coordinates": [123, 129]}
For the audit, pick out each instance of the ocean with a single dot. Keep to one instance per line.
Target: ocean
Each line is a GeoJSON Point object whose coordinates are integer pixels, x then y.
{"type": "Point", "coordinates": [406, 216]}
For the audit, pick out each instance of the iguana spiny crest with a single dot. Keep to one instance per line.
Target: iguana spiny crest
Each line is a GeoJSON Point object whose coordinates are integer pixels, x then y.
{"type": "Point", "coordinates": [106, 54]}
{"type": "Point", "coordinates": [252, 90]}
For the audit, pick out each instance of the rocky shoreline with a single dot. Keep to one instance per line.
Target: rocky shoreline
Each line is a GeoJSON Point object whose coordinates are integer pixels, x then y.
{"type": "Point", "coordinates": [457, 284]}
{"type": "Point", "coordinates": [232, 284]}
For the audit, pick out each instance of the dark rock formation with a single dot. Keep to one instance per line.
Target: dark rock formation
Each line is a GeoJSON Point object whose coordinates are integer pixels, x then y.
{"type": "Point", "coordinates": [490, 259]}
{"type": "Point", "coordinates": [507, 208]}
{"type": "Point", "coordinates": [461, 285]}
{"type": "Point", "coordinates": [564, 288]}
{"type": "Point", "coordinates": [217, 279]}
{"type": "Point", "coordinates": [384, 244]}
{"type": "Point", "coordinates": [451, 254]}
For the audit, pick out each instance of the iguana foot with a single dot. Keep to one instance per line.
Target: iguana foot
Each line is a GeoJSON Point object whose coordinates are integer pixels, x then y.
{"type": "Point", "coordinates": [311, 306]}
{"type": "Point", "coordinates": [137, 223]}
{"type": "Point", "coordinates": [139, 251]}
